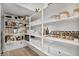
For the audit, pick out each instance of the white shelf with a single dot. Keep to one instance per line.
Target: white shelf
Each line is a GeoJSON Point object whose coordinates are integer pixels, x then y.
{"type": "Point", "coordinates": [62, 40]}
{"type": "Point", "coordinates": [14, 45]}
{"type": "Point", "coordinates": [57, 39]}
{"type": "Point", "coordinates": [36, 35]}
{"type": "Point", "coordinates": [52, 21]}
{"type": "Point", "coordinates": [38, 23]}
{"type": "Point", "coordinates": [14, 34]}
{"type": "Point", "coordinates": [11, 42]}
{"type": "Point", "coordinates": [64, 19]}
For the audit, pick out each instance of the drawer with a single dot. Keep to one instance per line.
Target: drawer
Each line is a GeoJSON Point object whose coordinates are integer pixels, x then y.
{"type": "Point", "coordinates": [62, 53]}
{"type": "Point", "coordinates": [57, 52]}
{"type": "Point", "coordinates": [53, 52]}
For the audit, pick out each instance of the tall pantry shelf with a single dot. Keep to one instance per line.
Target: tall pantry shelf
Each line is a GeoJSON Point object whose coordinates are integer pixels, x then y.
{"type": "Point", "coordinates": [58, 35]}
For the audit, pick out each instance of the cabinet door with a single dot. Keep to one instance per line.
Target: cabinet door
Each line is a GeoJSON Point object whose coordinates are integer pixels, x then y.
{"type": "Point", "coordinates": [53, 51]}
{"type": "Point", "coordinates": [57, 52]}
{"type": "Point", "coordinates": [62, 53]}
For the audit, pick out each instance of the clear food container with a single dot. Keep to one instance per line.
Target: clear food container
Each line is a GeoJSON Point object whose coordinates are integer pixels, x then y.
{"type": "Point", "coordinates": [64, 14]}
{"type": "Point", "coordinates": [76, 12]}
{"type": "Point", "coordinates": [55, 17]}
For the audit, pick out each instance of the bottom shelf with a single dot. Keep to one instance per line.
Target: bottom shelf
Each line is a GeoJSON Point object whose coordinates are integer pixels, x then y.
{"type": "Point", "coordinates": [14, 45]}
{"type": "Point", "coordinates": [53, 48]}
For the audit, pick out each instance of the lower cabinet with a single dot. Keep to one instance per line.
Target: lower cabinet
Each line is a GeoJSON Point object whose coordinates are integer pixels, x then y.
{"type": "Point", "coordinates": [57, 52]}
{"type": "Point", "coordinates": [53, 52]}
{"type": "Point", "coordinates": [62, 53]}
{"type": "Point", "coordinates": [14, 45]}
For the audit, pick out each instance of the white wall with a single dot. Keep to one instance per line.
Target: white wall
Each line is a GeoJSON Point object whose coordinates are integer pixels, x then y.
{"type": "Point", "coordinates": [0, 27]}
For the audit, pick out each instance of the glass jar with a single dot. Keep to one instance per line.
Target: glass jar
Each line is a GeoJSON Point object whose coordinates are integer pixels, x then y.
{"type": "Point", "coordinates": [67, 35]}
{"type": "Point", "coordinates": [71, 35]}
{"type": "Point", "coordinates": [55, 17]}
{"type": "Point", "coordinates": [76, 12]}
{"type": "Point", "coordinates": [64, 14]}
{"type": "Point", "coordinates": [63, 34]}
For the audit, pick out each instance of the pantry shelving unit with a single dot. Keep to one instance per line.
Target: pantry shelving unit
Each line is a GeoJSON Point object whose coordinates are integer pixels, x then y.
{"type": "Point", "coordinates": [51, 45]}
{"type": "Point", "coordinates": [15, 33]}
{"type": "Point", "coordinates": [33, 32]}
{"type": "Point", "coordinates": [7, 27]}
{"type": "Point", "coordinates": [36, 30]}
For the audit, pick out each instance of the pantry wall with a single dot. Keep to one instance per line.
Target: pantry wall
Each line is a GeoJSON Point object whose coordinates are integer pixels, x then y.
{"type": "Point", "coordinates": [0, 27]}
{"type": "Point", "coordinates": [52, 31]}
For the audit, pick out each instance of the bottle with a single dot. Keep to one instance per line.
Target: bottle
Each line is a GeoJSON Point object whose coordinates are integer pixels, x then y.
{"type": "Point", "coordinates": [47, 31]}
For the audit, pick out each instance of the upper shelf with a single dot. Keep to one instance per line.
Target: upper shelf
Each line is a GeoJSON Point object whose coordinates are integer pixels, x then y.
{"type": "Point", "coordinates": [54, 9]}
{"type": "Point", "coordinates": [64, 19]}
{"type": "Point", "coordinates": [53, 21]}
